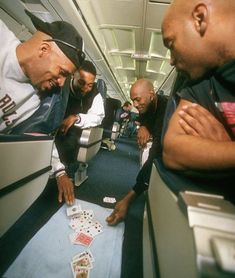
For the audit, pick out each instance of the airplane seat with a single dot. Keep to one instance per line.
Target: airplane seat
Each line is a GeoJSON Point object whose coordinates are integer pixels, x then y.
{"type": "Point", "coordinates": [89, 145]}
{"type": "Point", "coordinates": [89, 141]}
{"type": "Point", "coordinates": [185, 214]}
{"type": "Point", "coordinates": [110, 125]}
{"type": "Point", "coordinates": [24, 172]}
{"type": "Point", "coordinates": [102, 89]}
{"type": "Point", "coordinates": [48, 117]}
{"type": "Point", "coordinates": [185, 221]}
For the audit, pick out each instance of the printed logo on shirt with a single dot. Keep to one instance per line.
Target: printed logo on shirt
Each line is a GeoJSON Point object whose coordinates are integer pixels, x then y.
{"type": "Point", "coordinates": [6, 105]}
{"type": "Point", "coordinates": [229, 114]}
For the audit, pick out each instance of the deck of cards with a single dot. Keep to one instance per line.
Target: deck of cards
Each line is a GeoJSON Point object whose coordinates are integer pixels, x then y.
{"type": "Point", "coordinates": [85, 228]}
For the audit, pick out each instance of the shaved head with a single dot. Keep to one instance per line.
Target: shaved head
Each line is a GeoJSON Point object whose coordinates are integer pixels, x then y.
{"type": "Point", "coordinates": [192, 31]}
{"type": "Point", "coordinates": [143, 84]}
{"type": "Point", "coordinates": [143, 95]}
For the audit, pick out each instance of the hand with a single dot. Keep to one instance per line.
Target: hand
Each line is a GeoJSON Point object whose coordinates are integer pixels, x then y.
{"type": "Point", "coordinates": [66, 189]}
{"type": "Point", "coordinates": [197, 121]}
{"type": "Point", "coordinates": [119, 213]}
{"type": "Point", "coordinates": [67, 123]}
{"type": "Point", "coordinates": [143, 136]}
{"type": "Point", "coordinates": [124, 115]}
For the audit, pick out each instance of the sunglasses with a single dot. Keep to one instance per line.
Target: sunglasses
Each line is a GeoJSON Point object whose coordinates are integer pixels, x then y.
{"type": "Point", "coordinates": [81, 54]}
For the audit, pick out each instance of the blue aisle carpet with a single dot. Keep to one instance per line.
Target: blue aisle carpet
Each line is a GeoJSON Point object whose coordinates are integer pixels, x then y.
{"type": "Point", "coordinates": [110, 174]}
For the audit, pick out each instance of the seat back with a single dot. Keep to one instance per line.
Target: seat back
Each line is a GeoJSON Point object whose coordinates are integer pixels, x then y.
{"type": "Point", "coordinates": [102, 89]}
{"type": "Point", "coordinates": [48, 117]}
{"type": "Point", "coordinates": [112, 105]}
{"type": "Point", "coordinates": [24, 174]}
{"type": "Point", "coordinates": [89, 141]}
{"type": "Point", "coordinates": [110, 125]}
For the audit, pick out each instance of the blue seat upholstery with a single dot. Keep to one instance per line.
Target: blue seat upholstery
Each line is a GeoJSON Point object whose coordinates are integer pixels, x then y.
{"type": "Point", "coordinates": [110, 125]}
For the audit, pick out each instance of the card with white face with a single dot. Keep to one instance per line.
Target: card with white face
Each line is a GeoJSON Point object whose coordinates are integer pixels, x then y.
{"type": "Point", "coordinates": [87, 214]}
{"type": "Point", "coordinates": [93, 229]}
{"type": "Point", "coordinates": [74, 211]}
{"type": "Point", "coordinates": [110, 200]}
{"type": "Point", "coordinates": [85, 253]}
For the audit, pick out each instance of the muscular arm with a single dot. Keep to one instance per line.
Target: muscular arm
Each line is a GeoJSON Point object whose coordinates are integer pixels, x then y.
{"type": "Point", "coordinates": [189, 148]}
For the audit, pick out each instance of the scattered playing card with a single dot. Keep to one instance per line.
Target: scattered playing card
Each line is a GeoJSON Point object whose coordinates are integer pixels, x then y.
{"type": "Point", "coordinates": [74, 210]}
{"type": "Point", "coordinates": [85, 229]}
{"type": "Point", "coordinates": [110, 200]}
{"type": "Point", "coordinates": [85, 253]}
{"type": "Point", "coordinates": [84, 239]}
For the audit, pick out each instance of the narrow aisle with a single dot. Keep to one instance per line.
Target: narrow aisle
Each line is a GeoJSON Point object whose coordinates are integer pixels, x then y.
{"type": "Point", "coordinates": [112, 174]}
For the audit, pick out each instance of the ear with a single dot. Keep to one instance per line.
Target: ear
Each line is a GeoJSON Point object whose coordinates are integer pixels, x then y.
{"type": "Point", "coordinates": [201, 17]}
{"type": "Point", "coordinates": [44, 49]}
{"type": "Point", "coordinates": [152, 93]}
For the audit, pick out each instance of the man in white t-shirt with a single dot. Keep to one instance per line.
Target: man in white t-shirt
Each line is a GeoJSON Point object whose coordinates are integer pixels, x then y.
{"type": "Point", "coordinates": [42, 63]}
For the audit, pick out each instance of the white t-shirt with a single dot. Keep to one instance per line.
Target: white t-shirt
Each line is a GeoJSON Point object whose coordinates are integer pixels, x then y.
{"type": "Point", "coordinates": [18, 98]}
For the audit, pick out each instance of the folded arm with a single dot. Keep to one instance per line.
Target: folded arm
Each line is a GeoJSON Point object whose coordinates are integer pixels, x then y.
{"type": "Point", "coordinates": [196, 140]}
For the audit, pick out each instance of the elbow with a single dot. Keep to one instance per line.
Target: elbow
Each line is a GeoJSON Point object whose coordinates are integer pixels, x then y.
{"type": "Point", "coordinates": [169, 161]}
{"type": "Point", "coordinates": [172, 158]}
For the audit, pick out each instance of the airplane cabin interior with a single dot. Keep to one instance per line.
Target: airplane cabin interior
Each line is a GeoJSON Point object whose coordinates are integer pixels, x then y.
{"type": "Point", "coordinates": [181, 227]}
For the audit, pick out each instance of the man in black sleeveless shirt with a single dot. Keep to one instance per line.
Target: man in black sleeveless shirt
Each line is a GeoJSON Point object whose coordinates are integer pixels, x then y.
{"type": "Point", "coordinates": [151, 108]}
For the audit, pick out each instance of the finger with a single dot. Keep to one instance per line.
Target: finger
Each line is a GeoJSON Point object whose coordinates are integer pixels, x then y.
{"type": "Point", "coordinates": [66, 128]}
{"type": "Point", "coordinates": [207, 125]}
{"type": "Point", "coordinates": [189, 122]}
{"type": "Point", "coordinates": [70, 194]}
{"type": "Point", "coordinates": [110, 218]}
{"type": "Point", "coordinates": [198, 112]}
{"type": "Point", "coordinates": [60, 196]}
{"type": "Point", "coordinates": [114, 220]}
{"type": "Point", "coordinates": [187, 129]}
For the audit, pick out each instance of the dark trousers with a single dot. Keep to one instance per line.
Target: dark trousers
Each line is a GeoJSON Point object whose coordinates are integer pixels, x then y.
{"type": "Point", "coordinates": [67, 145]}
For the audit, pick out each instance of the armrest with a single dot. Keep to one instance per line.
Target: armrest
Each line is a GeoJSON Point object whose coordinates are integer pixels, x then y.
{"type": "Point", "coordinates": [89, 143]}
{"type": "Point", "coordinates": [184, 215]}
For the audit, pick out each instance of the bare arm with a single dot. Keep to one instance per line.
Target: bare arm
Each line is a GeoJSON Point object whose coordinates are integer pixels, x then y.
{"type": "Point", "coordinates": [196, 140]}
{"type": "Point", "coordinates": [121, 208]}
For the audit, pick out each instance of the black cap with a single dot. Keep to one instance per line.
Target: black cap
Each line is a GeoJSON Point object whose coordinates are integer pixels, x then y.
{"type": "Point", "coordinates": [64, 35]}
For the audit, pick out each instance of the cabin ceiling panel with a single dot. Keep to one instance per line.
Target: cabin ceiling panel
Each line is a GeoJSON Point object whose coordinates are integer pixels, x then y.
{"type": "Point", "coordinates": [109, 11]}
{"type": "Point", "coordinates": [129, 34]}
{"type": "Point", "coordinates": [154, 15]}
{"type": "Point", "coordinates": [156, 47]}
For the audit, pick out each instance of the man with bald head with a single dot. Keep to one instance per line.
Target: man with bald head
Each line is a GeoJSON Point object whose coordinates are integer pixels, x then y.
{"type": "Point", "coordinates": [151, 109]}
{"type": "Point", "coordinates": [200, 36]}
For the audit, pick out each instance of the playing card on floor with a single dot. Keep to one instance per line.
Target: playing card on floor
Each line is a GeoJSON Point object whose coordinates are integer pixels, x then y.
{"type": "Point", "coordinates": [74, 210]}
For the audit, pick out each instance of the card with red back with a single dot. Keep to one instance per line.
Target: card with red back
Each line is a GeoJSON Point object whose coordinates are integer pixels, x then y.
{"type": "Point", "coordinates": [83, 239]}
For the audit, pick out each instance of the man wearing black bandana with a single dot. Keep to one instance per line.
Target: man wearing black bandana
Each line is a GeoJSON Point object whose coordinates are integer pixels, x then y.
{"type": "Point", "coordinates": [40, 64]}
